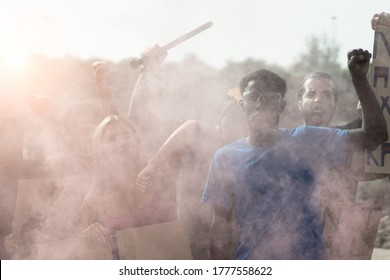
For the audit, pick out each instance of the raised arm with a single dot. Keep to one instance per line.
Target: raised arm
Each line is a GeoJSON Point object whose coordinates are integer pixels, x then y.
{"type": "Point", "coordinates": [180, 142]}
{"type": "Point", "coordinates": [374, 127]}
{"type": "Point", "coordinates": [151, 59]}
{"type": "Point", "coordinates": [100, 72]}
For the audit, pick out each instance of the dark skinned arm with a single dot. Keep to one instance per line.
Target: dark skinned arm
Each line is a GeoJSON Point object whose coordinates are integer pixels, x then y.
{"type": "Point", "coordinates": [374, 127]}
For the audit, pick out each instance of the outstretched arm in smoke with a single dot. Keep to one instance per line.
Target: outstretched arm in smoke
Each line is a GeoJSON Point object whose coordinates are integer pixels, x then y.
{"type": "Point", "coordinates": [100, 72]}
{"type": "Point", "coordinates": [374, 130]}
{"type": "Point", "coordinates": [152, 58]}
{"type": "Point", "coordinates": [221, 234]}
{"type": "Point", "coordinates": [179, 143]}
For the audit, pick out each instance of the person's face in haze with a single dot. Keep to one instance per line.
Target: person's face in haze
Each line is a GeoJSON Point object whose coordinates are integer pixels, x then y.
{"type": "Point", "coordinates": [120, 146]}
{"type": "Point", "coordinates": [262, 108]}
{"type": "Point", "coordinates": [318, 102]}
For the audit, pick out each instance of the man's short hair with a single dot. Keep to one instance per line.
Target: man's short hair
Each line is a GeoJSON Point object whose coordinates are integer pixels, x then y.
{"type": "Point", "coordinates": [319, 76]}
{"type": "Point", "coordinates": [268, 81]}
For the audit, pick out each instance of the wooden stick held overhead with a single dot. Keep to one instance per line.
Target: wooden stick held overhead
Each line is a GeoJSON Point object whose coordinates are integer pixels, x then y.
{"type": "Point", "coordinates": [137, 62]}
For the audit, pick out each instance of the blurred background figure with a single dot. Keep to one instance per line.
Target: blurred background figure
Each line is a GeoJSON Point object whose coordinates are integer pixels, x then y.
{"type": "Point", "coordinates": [119, 155]}
{"type": "Point", "coordinates": [114, 201]}
{"type": "Point", "coordinates": [345, 220]}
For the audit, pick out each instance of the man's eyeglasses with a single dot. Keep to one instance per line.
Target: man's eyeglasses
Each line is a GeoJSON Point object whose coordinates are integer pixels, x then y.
{"type": "Point", "coordinates": [263, 98]}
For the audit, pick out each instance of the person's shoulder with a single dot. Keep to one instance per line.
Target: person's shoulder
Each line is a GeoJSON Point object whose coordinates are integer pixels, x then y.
{"type": "Point", "coordinates": [314, 131]}
{"type": "Point", "coordinates": [236, 144]}
{"type": "Point", "coordinates": [231, 148]}
{"type": "Point", "coordinates": [296, 131]}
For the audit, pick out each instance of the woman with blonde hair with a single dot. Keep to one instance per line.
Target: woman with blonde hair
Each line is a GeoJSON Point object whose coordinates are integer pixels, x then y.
{"type": "Point", "coordinates": [114, 201]}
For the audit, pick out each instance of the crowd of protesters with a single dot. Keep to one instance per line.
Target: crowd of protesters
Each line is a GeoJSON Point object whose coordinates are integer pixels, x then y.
{"type": "Point", "coordinates": [246, 189]}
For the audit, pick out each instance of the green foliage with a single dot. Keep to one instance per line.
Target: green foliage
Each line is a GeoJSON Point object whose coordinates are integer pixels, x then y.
{"type": "Point", "coordinates": [234, 71]}
{"type": "Point", "coordinates": [321, 54]}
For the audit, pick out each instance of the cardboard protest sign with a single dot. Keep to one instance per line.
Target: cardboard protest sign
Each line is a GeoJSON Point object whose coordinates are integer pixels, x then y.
{"type": "Point", "coordinates": [377, 161]}
{"type": "Point", "coordinates": [39, 199]}
{"type": "Point", "coordinates": [165, 241]}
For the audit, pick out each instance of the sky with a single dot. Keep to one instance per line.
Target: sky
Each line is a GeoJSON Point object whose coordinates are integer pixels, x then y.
{"type": "Point", "coordinates": [276, 31]}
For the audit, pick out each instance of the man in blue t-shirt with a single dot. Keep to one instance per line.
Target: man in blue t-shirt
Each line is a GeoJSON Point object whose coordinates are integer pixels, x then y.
{"type": "Point", "coordinates": [262, 187]}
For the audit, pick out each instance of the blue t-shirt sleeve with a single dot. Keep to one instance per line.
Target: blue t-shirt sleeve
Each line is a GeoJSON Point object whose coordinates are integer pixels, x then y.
{"type": "Point", "coordinates": [336, 147]}
{"type": "Point", "coordinates": [218, 185]}
{"type": "Point", "coordinates": [330, 143]}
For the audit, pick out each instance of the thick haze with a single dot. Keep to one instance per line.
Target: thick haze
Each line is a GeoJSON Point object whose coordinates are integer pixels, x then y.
{"type": "Point", "coordinates": [58, 131]}
{"type": "Point", "coordinates": [275, 31]}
